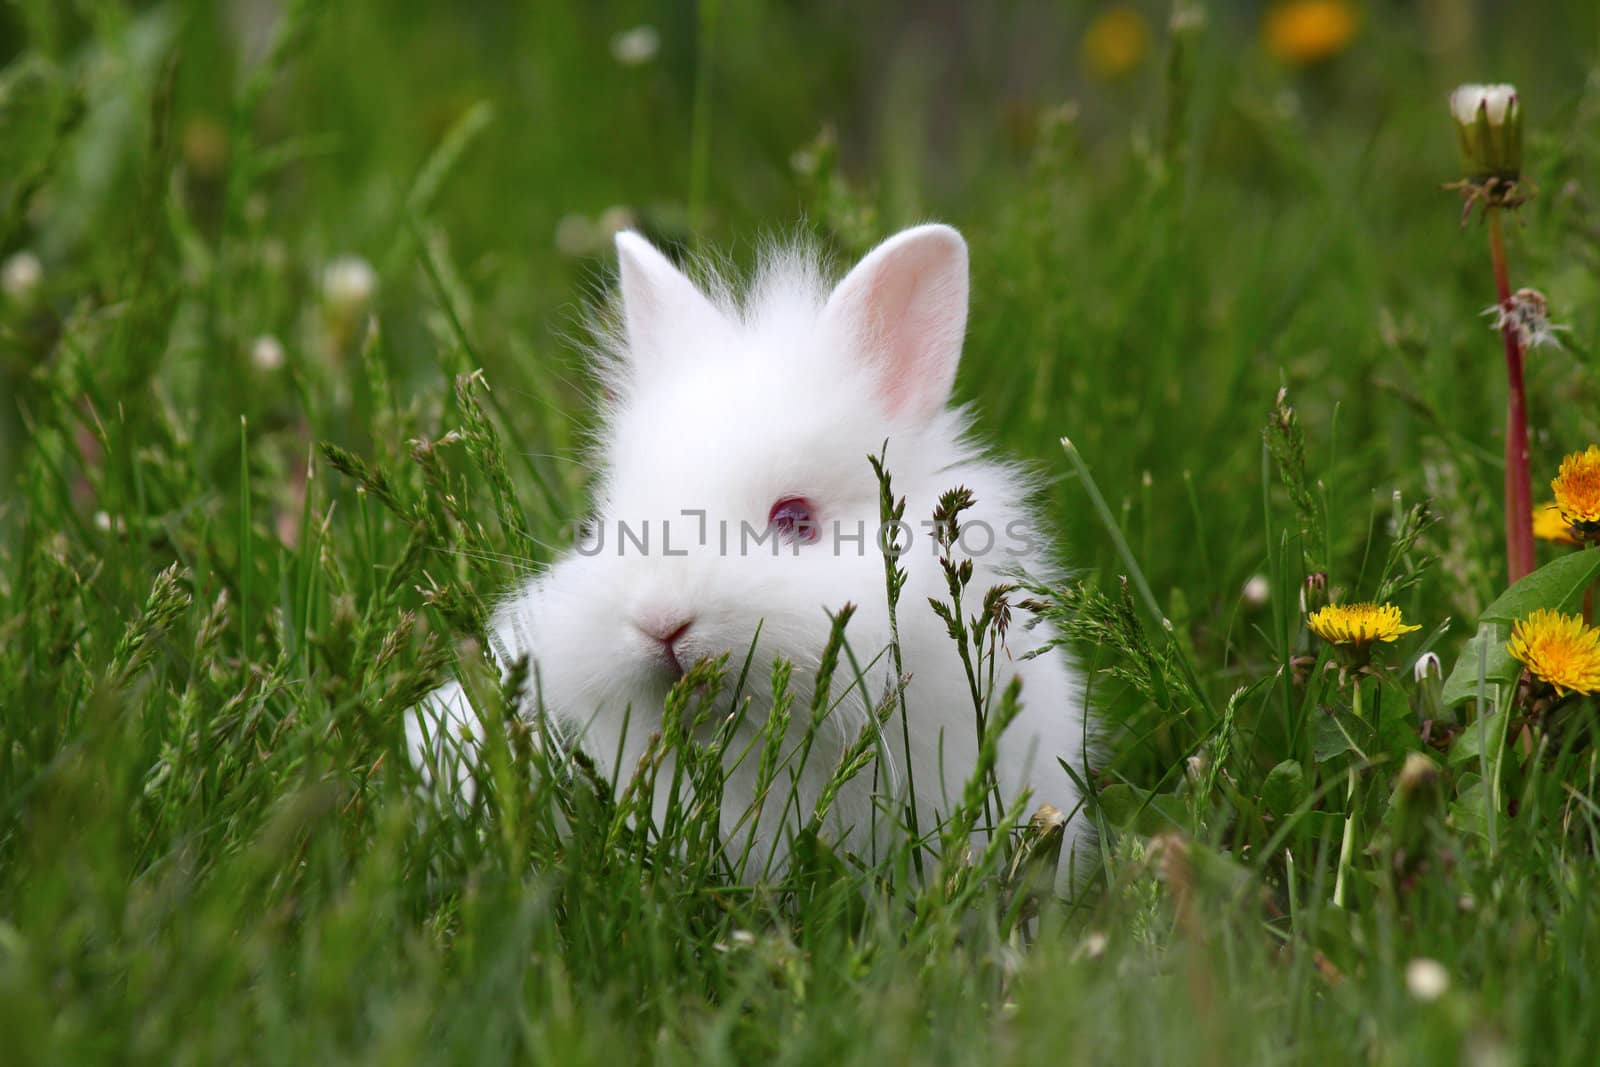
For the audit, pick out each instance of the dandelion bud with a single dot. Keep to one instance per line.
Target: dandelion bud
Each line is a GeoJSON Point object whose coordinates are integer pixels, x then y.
{"type": "Point", "coordinates": [1489, 128]}
{"type": "Point", "coordinates": [1417, 774]}
{"type": "Point", "coordinates": [1049, 819]}
{"type": "Point", "coordinates": [1414, 815]}
{"type": "Point", "coordinates": [20, 278]}
{"type": "Point", "coordinates": [1314, 593]}
{"type": "Point", "coordinates": [1428, 702]}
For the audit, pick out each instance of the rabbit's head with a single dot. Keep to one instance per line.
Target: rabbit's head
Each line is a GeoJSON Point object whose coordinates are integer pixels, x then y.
{"type": "Point", "coordinates": [735, 494]}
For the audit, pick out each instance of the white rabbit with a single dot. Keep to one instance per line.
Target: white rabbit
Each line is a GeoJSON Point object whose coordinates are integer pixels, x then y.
{"type": "Point", "coordinates": [729, 418]}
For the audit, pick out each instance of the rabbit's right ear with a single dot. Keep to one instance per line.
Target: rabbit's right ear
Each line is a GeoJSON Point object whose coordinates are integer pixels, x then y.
{"type": "Point", "coordinates": [906, 305]}
{"type": "Point", "coordinates": [658, 299]}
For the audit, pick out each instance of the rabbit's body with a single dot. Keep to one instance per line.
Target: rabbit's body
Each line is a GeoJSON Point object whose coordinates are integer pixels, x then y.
{"type": "Point", "coordinates": [736, 498]}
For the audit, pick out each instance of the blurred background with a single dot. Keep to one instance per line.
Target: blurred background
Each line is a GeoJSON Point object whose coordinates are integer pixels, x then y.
{"type": "Point", "coordinates": [255, 255]}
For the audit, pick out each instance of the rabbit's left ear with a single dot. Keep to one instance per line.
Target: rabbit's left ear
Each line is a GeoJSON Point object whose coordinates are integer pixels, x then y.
{"type": "Point", "coordinates": [659, 302]}
{"type": "Point", "coordinates": [905, 305]}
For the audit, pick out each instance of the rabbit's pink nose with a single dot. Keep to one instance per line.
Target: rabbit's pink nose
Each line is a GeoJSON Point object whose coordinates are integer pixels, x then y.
{"type": "Point", "coordinates": [667, 630]}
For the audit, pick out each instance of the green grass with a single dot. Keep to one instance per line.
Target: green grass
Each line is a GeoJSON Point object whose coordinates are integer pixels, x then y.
{"type": "Point", "coordinates": [221, 585]}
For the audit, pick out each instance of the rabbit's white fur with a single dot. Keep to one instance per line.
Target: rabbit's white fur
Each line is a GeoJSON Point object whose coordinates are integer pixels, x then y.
{"type": "Point", "coordinates": [725, 405]}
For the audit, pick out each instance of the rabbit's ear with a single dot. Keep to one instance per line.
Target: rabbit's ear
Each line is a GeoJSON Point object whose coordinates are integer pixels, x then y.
{"type": "Point", "coordinates": [658, 299]}
{"type": "Point", "coordinates": [906, 305]}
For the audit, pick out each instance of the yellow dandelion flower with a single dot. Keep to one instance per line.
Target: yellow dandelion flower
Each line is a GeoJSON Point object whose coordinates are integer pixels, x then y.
{"type": "Point", "coordinates": [1558, 649]}
{"type": "Point", "coordinates": [1308, 31]}
{"type": "Point", "coordinates": [1115, 42]}
{"type": "Point", "coordinates": [1358, 625]}
{"type": "Point", "coordinates": [1548, 525]}
{"type": "Point", "coordinates": [1577, 489]}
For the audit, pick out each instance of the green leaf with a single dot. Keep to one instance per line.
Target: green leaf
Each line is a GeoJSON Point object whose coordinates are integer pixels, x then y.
{"type": "Point", "coordinates": [1557, 586]}
{"type": "Point", "coordinates": [1471, 742]}
{"type": "Point", "coordinates": [1333, 733]}
{"type": "Point", "coordinates": [1284, 788]}
{"type": "Point", "coordinates": [1499, 667]}
{"type": "Point", "coordinates": [1397, 728]}
{"type": "Point", "coordinates": [1468, 811]}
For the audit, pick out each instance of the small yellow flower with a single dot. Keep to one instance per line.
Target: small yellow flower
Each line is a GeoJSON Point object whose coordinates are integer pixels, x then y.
{"type": "Point", "coordinates": [1577, 489]}
{"type": "Point", "coordinates": [1308, 31]}
{"type": "Point", "coordinates": [1115, 42]}
{"type": "Point", "coordinates": [1548, 525]}
{"type": "Point", "coordinates": [1358, 625]}
{"type": "Point", "coordinates": [1558, 649]}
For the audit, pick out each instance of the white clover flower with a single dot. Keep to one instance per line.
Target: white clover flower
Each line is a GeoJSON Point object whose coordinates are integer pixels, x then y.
{"type": "Point", "coordinates": [636, 46]}
{"type": "Point", "coordinates": [1257, 591]}
{"type": "Point", "coordinates": [266, 353]}
{"type": "Point", "coordinates": [348, 286]}
{"type": "Point", "coordinates": [20, 277]}
{"type": "Point", "coordinates": [1426, 979]}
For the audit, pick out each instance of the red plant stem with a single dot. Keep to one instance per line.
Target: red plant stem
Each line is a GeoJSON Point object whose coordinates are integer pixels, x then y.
{"type": "Point", "coordinates": [1519, 489]}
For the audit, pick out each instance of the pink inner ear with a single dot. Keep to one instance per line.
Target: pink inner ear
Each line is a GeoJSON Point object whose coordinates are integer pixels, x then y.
{"type": "Point", "coordinates": [906, 306]}
{"type": "Point", "coordinates": [907, 338]}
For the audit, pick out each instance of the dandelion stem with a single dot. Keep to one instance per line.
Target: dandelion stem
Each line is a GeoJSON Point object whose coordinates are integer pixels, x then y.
{"type": "Point", "coordinates": [1519, 492]}
{"type": "Point", "coordinates": [1347, 843]}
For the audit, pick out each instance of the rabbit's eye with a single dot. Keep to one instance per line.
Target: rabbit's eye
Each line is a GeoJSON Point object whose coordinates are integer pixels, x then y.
{"type": "Point", "coordinates": [795, 520]}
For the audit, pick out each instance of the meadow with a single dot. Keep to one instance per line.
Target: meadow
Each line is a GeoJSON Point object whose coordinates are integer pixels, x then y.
{"type": "Point", "coordinates": [292, 383]}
